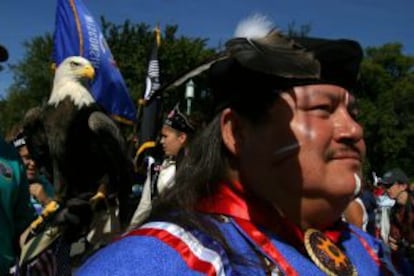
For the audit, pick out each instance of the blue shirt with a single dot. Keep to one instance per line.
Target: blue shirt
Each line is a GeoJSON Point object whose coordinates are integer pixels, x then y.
{"type": "Point", "coordinates": [162, 248]}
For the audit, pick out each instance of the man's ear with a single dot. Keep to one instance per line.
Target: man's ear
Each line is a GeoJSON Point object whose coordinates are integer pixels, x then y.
{"type": "Point", "coordinates": [231, 125]}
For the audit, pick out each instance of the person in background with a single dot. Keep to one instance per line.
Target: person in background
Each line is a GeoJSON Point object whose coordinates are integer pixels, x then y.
{"type": "Point", "coordinates": [362, 210]}
{"type": "Point", "coordinates": [383, 213]}
{"type": "Point", "coordinates": [54, 259]}
{"type": "Point", "coordinates": [356, 214]}
{"type": "Point", "coordinates": [401, 236]}
{"type": "Point", "coordinates": [16, 212]}
{"type": "Point", "coordinates": [368, 198]}
{"type": "Point", "coordinates": [265, 183]}
{"type": "Point", "coordinates": [176, 133]}
{"type": "Point", "coordinates": [40, 188]}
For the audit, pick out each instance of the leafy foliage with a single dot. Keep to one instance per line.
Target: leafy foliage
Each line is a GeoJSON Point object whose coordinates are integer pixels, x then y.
{"type": "Point", "coordinates": [386, 100]}
{"type": "Point", "coordinates": [32, 82]}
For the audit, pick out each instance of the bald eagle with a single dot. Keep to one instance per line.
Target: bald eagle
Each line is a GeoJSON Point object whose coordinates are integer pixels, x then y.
{"type": "Point", "coordinates": [77, 141]}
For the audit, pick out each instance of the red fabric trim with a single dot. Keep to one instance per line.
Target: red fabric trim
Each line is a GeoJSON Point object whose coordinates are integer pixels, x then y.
{"type": "Point", "coordinates": [372, 253]}
{"type": "Point", "coordinates": [181, 247]}
{"type": "Point", "coordinates": [368, 248]}
{"type": "Point", "coordinates": [266, 245]}
{"type": "Point", "coordinates": [233, 201]}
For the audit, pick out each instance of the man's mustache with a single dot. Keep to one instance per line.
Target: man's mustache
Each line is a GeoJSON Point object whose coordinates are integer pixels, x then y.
{"type": "Point", "coordinates": [344, 151]}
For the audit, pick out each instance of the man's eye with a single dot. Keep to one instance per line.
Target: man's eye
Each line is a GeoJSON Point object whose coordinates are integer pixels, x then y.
{"type": "Point", "coordinates": [321, 110]}
{"type": "Point", "coordinates": [323, 107]}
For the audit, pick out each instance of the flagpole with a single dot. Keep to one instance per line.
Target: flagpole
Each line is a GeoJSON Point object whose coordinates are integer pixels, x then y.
{"type": "Point", "coordinates": [150, 104]}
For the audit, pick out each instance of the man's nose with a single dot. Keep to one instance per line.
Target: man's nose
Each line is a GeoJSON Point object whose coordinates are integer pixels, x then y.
{"type": "Point", "coordinates": [346, 127]}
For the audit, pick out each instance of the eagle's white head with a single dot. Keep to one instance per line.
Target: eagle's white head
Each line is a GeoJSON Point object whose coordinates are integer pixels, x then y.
{"type": "Point", "coordinates": [72, 79]}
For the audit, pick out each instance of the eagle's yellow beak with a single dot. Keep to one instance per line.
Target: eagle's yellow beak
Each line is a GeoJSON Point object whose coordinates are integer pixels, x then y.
{"type": "Point", "coordinates": [88, 72]}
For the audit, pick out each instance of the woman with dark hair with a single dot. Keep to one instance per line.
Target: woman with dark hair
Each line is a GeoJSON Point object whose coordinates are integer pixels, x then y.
{"type": "Point", "coordinates": [176, 134]}
{"type": "Point", "coordinates": [265, 183]}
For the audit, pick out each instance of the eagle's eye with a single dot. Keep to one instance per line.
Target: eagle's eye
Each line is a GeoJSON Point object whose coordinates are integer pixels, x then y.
{"type": "Point", "coordinates": [74, 64]}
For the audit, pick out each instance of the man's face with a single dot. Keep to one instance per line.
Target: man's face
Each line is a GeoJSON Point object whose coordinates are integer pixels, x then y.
{"type": "Point", "coordinates": [29, 163]}
{"type": "Point", "coordinates": [310, 148]}
{"type": "Point", "coordinates": [172, 140]}
{"type": "Point", "coordinates": [394, 190]}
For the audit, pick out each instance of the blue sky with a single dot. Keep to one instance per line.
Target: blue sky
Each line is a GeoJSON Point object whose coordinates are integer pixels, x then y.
{"type": "Point", "coordinates": [371, 22]}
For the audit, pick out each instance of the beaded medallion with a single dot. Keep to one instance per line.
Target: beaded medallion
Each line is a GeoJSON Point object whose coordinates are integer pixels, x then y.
{"type": "Point", "coordinates": [326, 255]}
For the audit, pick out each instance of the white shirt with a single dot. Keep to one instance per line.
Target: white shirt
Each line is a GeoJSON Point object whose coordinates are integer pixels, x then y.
{"type": "Point", "coordinates": [383, 215]}
{"type": "Point", "coordinates": [166, 178]}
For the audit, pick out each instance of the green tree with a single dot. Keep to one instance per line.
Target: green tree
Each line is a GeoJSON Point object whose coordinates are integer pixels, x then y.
{"type": "Point", "coordinates": [131, 45]}
{"type": "Point", "coordinates": [32, 79]}
{"type": "Point", "coordinates": [386, 100]}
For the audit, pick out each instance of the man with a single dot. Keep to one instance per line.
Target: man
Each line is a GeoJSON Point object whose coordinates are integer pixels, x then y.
{"type": "Point", "coordinates": [175, 135]}
{"type": "Point", "coordinates": [396, 182]}
{"type": "Point", "coordinates": [40, 188]}
{"type": "Point", "coordinates": [401, 235]}
{"type": "Point", "coordinates": [16, 212]}
{"type": "Point", "coordinates": [264, 186]}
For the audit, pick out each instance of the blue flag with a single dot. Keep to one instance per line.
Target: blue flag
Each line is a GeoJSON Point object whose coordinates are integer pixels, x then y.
{"type": "Point", "coordinates": [78, 34]}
